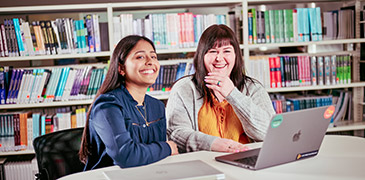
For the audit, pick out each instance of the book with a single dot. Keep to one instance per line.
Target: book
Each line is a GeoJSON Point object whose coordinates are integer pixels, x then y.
{"type": "Point", "coordinates": [17, 86]}
{"type": "Point", "coordinates": [18, 34]}
{"type": "Point", "coordinates": [40, 39]}
{"type": "Point", "coordinates": [333, 69]}
{"type": "Point", "coordinates": [320, 68]}
{"type": "Point", "coordinates": [56, 35]}
{"type": "Point", "coordinates": [62, 83]}
{"type": "Point", "coordinates": [68, 86]}
{"type": "Point", "coordinates": [342, 109]}
{"type": "Point", "coordinates": [4, 40]}
{"type": "Point", "coordinates": [28, 39]}
{"type": "Point", "coordinates": [314, 71]}
{"type": "Point", "coordinates": [51, 38]}
{"type": "Point", "coordinates": [254, 24]}
{"type": "Point", "coordinates": [7, 34]}
{"type": "Point", "coordinates": [2, 86]}
{"type": "Point", "coordinates": [97, 33]}
{"type": "Point", "coordinates": [36, 118]}
{"type": "Point", "coordinates": [104, 36]}
{"type": "Point", "coordinates": [90, 32]}
{"type": "Point", "coordinates": [319, 23]}
{"type": "Point", "coordinates": [13, 37]}
{"type": "Point", "coordinates": [327, 70]}
{"type": "Point", "coordinates": [46, 37]}
{"type": "Point", "coordinates": [272, 26]}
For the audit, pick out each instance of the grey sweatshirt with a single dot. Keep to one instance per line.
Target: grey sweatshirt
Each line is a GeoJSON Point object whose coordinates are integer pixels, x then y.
{"type": "Point", "coordinates": [252, 106]}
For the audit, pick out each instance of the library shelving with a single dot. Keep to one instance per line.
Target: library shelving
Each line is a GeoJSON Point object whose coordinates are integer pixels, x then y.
{"type": "Point", "coordinates": [349, 45]}
{"type": "Point", "coordinates": [107, 12]}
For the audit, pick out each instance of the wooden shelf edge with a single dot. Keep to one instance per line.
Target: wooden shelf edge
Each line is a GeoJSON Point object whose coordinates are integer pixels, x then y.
{"type": "Point", "coordinates": [157, 95]}
{"type": "Point", "coordinates": [50, 104]}
{"type": "Point", "coordinates": [57, 56]}
{"type": "Point", "coordinates": [323, 42]}
{"type": "Point", "coordinates": [307, 88]}
{"type": "Point", "coordinates": [347, 126]}
{"type": "Point", "coordinates": [21, 152]}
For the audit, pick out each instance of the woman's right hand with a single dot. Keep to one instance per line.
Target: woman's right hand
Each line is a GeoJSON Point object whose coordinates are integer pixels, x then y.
{"type": "Point", "coordinates": [227, 145]}
{"type": "Point", "coordinates": [173, 146]}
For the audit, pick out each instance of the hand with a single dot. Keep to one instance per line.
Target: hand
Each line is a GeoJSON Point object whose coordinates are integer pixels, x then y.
{"type": "Point", "coordinates": [225, 85]}
{"type": "Point", "coordinates": [173, 146]}
{"type": "Point", "coordinates": [227, 145]}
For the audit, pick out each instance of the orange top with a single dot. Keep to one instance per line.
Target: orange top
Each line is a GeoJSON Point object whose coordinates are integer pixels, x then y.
{"type": "Point", "coordinates": [221, 121]}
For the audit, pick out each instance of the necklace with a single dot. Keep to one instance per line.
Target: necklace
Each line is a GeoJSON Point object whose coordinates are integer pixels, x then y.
{"type": "Point", "coordinates": [143, 116]}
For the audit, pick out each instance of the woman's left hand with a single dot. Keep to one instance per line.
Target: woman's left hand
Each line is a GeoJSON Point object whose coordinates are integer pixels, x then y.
{"type": "Point", "coordinates": [219, 83]}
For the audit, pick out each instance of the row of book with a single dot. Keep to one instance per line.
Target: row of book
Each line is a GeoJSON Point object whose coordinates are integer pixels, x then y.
{"type": "Point", "coordinates": [362, 25]}
{"type": "Point", "coordinates": [339, 24]}
{"type": "Point", "coordinates": [59, 36]}
{"type": "Point", "coordinates": [284, 25]}
{"type": "Point", "coordinates": [167, 31]}
{"type": "Point", "coordinates": [26, 86]}
{"type": "Point", "coordinates": [288, 104]}
{"type": "Point", "coordinates": [291, 71]}
{"type": "Point", "coordinates": [299, 25]}
{"type": "Point", "coordinates": [341, 99]}
{"type": "Point", "coordinates": [19, 129]}
{"type": "Point", "coordinates": [170, 73]}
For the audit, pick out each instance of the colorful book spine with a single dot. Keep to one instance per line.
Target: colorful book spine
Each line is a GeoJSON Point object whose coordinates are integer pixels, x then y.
{"type": "Point", "coordinates": [18, 34]}
{"type": "Point", "coordinates": [2, 86]}
{"type": "Point", "coordinates": [313, 24]}
{"type": "Point", "coordinates": [333, 70]}
{"type": "Point", "coordinates": [96, 28]}
{"type": "Point", "coordinates": [267, 26]}
{"type": "Point", "coordinates": [327, 70]}
{"type": "Point", "coordinates": [319, 24]}
{"type": "Point", "coordinates": [90, 32]}
{"type": "Point", "coordinates": [320, 66]}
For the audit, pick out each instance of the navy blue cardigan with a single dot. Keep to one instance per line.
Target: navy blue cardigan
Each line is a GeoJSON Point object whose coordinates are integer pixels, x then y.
{"type": "Point", "coordinates": [119, 134]}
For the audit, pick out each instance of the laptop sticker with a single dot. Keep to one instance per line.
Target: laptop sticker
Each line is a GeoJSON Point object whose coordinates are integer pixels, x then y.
{"type": "Point", "coordinates": [277, 121]}
{"type": "Point", "coordinates": [329, 112]}
{"type": "Point", "coordinates": [307, 154]}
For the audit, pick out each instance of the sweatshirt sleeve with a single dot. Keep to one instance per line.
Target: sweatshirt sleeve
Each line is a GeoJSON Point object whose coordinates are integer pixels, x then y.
{"type": "Point", "coordinates": [109, 124]}
{"type": "Point", "coordinates": [182, 124]}
{"type": "Point", "coordinates": [254, 109]}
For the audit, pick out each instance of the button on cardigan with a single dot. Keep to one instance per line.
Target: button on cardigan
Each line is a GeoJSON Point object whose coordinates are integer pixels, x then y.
{"type": "Point", "coordinates": [119, 134]}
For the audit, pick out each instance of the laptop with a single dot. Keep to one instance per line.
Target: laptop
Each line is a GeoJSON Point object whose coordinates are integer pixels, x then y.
{"type": "Point", "coordinates": [195, 169]}
{"type": "Point", "coordinates": [290, 137]}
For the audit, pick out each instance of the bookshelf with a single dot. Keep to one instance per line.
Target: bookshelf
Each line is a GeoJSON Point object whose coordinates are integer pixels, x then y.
{"type": "Point", "coordinates": [313, 48]}
{"type": "Point", "coordinates": [107, 11]}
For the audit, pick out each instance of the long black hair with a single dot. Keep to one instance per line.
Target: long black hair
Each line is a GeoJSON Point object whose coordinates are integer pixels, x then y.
{"type": "Point", "coordinates": [113, 80]}
{"type": "Point", "coordinates": [217, 36]}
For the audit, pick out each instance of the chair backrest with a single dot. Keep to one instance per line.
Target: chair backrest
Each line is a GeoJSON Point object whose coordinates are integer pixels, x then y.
{"type": "Point", "coordinates": [57, 153]}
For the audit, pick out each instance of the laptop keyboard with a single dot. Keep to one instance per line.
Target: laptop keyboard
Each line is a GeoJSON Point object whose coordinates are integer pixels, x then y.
{"type": "Point", "coordinates": [251, 161]}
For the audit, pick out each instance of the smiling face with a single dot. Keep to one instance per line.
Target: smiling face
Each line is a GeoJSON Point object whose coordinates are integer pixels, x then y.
{"type": "Point", "coordinates": [220, 59]}
{"type": "Point", "coordinates": [141, 66]}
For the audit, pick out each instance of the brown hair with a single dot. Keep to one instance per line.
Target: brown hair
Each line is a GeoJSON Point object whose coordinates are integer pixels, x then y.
{"type": "Point", "coordinates": [112, 81]}
{"type": "Point", "coordinates": [217, 36]}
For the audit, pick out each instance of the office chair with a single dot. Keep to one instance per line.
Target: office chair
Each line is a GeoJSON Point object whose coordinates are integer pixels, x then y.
{"type": "Point", "coordinates": [57, 153]}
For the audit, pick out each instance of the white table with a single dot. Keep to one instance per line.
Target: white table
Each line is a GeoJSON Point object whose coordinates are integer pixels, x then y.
{"type": "Point", "coordinates": [340, 157]}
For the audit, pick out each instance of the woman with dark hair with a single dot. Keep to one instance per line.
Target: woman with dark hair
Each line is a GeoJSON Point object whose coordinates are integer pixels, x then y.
{"type": "Point", "coordinates": [218, 108]}
{"type": "Point", "coordinates": [124, 126]}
